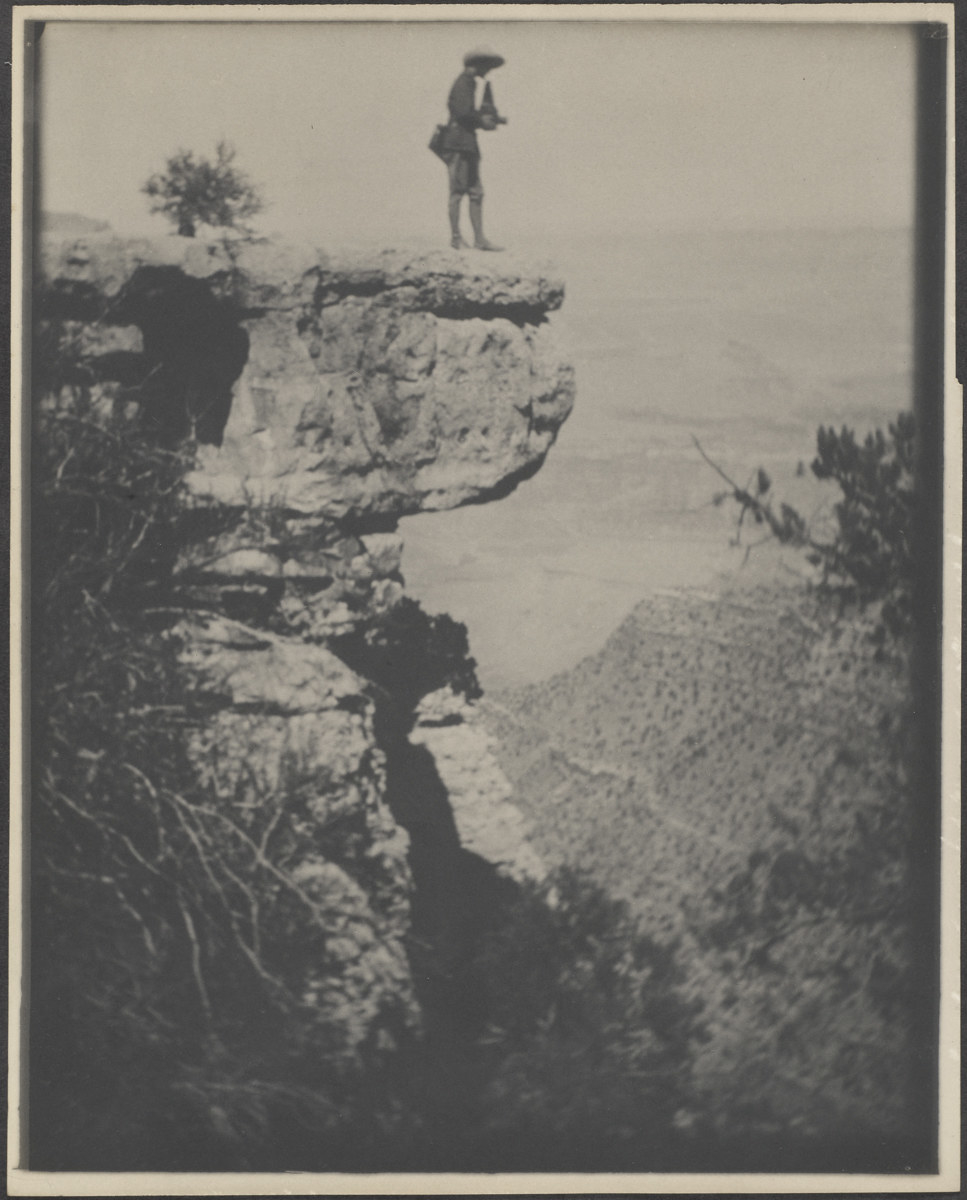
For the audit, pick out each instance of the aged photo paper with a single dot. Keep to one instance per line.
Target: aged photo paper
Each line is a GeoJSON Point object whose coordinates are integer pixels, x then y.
{"type": "Point", "coordinates": [486, 600]}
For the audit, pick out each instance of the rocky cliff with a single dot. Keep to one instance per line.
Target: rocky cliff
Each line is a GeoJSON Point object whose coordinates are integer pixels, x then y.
{"type": "Point", "coordinates": [327, 397]}
{"type": "Point", "coordinates": [321, 399]}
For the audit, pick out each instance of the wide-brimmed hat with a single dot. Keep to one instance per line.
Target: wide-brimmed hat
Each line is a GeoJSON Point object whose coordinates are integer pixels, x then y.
{"type": "Point", "coordinates": [483, 54]}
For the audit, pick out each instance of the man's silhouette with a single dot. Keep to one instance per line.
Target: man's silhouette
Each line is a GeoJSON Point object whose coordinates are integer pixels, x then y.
{"type": "Point", "coordinates": [461, 151]}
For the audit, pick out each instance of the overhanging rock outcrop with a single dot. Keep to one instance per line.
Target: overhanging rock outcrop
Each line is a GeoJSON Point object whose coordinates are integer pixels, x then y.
{"type": "Point", "coordinates": [368, 387]}
{"type": "Point", "coordinates": [328, 397]}
{"type": "Point", "coordinates": [322, 398]}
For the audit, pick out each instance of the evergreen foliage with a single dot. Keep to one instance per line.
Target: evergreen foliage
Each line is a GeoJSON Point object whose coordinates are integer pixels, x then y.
{"type": "Point", "coordinates": [747, 769]}
{"type": "Point", "coordinates": [588, 1038]}
{"type": "Point", "coordinates": [868, 556]}
{"type": "Point", "coordinates": [574, 1043]}
{"type": "Point", "coordinates": [871, 557]}
{"type": "Point", "coordinates": [166, 1030]}
{"type": "Point", "coordinates": [166, 1026]}
{"type": "Point", "coordinates": [410, 653]}
{"type": "Point", "coordinates": [192, 191]}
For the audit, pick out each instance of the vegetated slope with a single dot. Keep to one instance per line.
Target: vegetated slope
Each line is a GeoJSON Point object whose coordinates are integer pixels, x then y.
{"type": "Point", "coordinates": [248, 892]}
{"type": "Point", "coordinates": [736, 766]}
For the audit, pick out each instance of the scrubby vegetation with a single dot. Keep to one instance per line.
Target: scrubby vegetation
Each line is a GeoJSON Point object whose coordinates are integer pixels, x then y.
{"type": "Point", "coordinates": [754, 801]}
{"type": "Point", "coordinates": [748, 767]}
{"type": "Point", "coordinates": [865, 554]}
{"type": "Point", "coordinates": [738, 977]}
{"type": "Point", "coordinates": [587, 1045]}
{"type": "Point", "coordinates": [409, 653]}
{"type": "Point", "coordinates": [752, 764]}
{"type": "Point", "coordinates": [569, 1049]}
{"type": "Point", "coordinates": [191, 191]}
{"type": "Point", "coordinates": [166, 1030]}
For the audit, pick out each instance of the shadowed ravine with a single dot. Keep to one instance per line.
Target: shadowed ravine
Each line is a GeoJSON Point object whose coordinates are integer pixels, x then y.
{"type": "Point", "coordinates": [305, 900]}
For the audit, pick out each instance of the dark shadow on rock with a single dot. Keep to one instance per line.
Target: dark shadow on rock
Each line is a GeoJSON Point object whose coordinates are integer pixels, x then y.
{"type": "Point", "coordinates": [457, 895]}
{"type": "Point", "coordinates": [194, 351]}
{"type": "Point", "coordinates": [458, 898]}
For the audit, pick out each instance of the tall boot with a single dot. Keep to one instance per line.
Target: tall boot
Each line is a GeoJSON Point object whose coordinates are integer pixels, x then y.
{"type": "Point", "coordinates": [476, 220]}
{"type": "Point", "coordinates": [456, 239]}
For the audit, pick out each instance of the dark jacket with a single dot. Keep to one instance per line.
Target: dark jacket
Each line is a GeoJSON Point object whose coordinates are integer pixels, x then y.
{"type": "Point", "coordinates": [464, 118]}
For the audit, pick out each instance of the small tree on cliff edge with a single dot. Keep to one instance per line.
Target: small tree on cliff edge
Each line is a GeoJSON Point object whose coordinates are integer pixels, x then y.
{"type": "Point", "coordinates": [191, 192]}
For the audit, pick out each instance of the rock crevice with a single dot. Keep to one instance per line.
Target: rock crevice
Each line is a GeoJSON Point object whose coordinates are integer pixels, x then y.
{"type": "Point", "coordinates": [323, 399]}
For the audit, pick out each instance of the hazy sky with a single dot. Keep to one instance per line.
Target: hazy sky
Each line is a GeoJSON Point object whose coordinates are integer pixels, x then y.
{"type": "Point", "coordinates": [613, 125]}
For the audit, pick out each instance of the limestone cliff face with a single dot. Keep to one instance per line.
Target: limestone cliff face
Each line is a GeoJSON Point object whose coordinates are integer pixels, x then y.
{"type": "Point", "coordinates": [488, 822]}
{"type": "Point", "coordinates": [361, 389]}
{"type": "Point", "coordinates": [324, 398]}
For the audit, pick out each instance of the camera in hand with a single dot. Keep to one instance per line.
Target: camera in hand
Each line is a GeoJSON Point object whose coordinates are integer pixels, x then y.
{"type": "Point", "coordinates": [489, 117]}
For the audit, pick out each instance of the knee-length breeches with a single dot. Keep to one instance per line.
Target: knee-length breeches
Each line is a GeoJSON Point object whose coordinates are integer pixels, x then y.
{"type": "Point", "coordinates": [464, 172]}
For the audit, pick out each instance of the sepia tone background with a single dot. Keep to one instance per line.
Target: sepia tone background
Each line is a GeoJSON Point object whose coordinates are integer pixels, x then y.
{"type": "Point", "coordinates": [730, 205]}
{"type": "Point", "coordinates": [732, 210]}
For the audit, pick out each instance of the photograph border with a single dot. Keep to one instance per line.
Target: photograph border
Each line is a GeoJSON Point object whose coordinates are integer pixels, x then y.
{"type": "Point", "coordinates": [37, 1183]}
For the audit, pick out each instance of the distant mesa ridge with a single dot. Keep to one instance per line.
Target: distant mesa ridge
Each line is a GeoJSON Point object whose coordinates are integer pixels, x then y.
{"type": "Point", "coordinates": [71, 223]}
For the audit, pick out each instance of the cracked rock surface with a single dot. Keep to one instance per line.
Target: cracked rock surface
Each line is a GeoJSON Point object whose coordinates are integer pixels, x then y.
{"type": "Point", "coordinates": [322, 398]}
{"type": "Point", "coordinates": [372, 386]}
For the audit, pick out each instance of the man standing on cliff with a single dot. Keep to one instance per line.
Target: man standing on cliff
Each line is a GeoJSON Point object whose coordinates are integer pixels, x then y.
{"type": "Point", "coordinates": [461, 152]}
